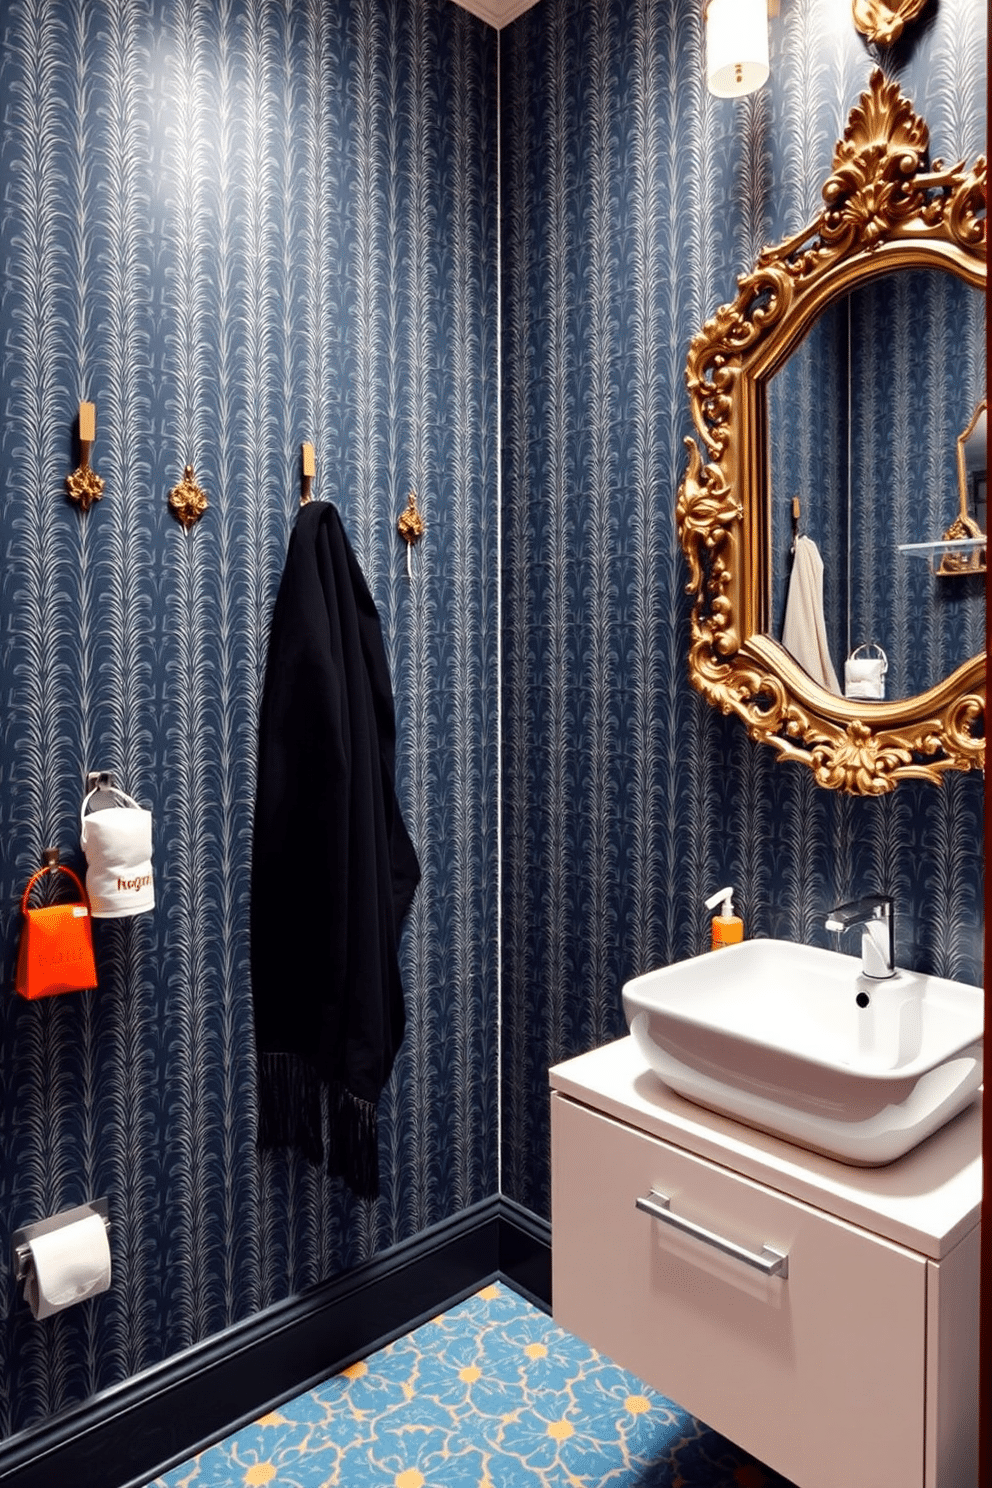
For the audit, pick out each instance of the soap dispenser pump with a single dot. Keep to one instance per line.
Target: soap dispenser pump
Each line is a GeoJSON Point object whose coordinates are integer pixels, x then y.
{"type": "Point", "coordinates": [727, 928]}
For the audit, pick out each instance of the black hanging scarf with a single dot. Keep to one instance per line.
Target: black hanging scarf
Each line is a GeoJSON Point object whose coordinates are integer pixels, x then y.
{"type": "Point", "coordinates": [333, 869]}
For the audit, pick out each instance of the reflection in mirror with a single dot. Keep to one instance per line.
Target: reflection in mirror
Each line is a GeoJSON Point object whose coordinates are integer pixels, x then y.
{"type": "Point", "coordinates": [973, 467]}
{"type": "Point", "coordinates": [864, 427]}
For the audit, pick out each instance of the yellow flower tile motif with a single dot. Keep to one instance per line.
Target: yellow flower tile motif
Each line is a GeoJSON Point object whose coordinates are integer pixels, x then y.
{"type": "Point", "coordinates": [258, 1474]}
{"type": "Point", "coordinates": [497, 1397]}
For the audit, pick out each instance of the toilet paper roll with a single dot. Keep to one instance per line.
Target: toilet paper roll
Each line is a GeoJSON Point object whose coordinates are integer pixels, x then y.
{"type": "Point", "coordinates": [69, 1265]}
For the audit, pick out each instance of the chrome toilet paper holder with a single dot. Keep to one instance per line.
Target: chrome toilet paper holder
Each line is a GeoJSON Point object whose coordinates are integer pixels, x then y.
{"type": "Point", "coordinates": [21, 1239]}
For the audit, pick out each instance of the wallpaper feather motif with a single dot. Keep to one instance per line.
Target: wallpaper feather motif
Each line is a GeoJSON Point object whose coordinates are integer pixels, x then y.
{"type": "Point", "coordinates": [601, 599]}
{"type": "Point", "coordinates": [236, 226]}
{"type": "Point", "coordinates": [468, 267]}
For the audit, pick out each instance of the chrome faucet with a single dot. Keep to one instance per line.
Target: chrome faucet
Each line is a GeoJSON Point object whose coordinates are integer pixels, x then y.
{"type": "Point", "coordinates": [873, 912]}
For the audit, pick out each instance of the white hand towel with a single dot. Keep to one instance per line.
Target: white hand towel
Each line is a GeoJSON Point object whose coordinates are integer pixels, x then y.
{"type": "Point", "coordinates": [804, 632]}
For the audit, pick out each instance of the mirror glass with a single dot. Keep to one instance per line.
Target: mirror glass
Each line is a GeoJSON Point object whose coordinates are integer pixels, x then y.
{"type": "Point", "coordinates": [973, 467]}
{"type": "Point", "coordinates": [865, 419]}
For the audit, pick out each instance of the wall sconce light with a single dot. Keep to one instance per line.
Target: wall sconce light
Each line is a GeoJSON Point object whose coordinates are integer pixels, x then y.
{"type": "Point", "coordinates": [736, 46]}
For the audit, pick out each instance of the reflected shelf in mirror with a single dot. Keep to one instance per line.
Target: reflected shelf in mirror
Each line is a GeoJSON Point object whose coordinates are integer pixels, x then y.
{"type": "Point", "coordinates": [950, 557]}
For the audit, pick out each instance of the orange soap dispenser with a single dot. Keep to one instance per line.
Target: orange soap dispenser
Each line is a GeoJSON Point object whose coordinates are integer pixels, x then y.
{"type": "Point", "coordinates": [728, 928]}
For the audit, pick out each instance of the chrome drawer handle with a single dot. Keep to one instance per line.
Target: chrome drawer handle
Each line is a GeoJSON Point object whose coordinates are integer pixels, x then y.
{"type": "Point", "coordinates": [769, 1262]}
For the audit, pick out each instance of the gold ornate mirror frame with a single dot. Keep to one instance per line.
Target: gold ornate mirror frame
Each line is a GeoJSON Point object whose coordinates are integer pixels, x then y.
{"type": "Point", "coordinates": [886, 207]}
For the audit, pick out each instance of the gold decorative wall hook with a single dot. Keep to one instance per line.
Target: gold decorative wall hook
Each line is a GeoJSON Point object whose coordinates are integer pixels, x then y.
{"type": "Point", "coordinates": [411, 528]}
{"type": "Point", "coordinates": [187, 501]}
{"type": "Point", "coordinates": [84, 485]}
{"type": "Point", "coordinates": [308, 469]}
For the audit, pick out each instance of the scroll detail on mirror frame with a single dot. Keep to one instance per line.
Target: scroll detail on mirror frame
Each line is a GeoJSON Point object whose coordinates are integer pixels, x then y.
{"type": "Point", "coordinates": [885, 207]}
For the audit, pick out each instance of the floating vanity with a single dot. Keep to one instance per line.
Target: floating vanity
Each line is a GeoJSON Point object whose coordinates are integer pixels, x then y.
{"type": "Point", "coordinates": [821, 1315]}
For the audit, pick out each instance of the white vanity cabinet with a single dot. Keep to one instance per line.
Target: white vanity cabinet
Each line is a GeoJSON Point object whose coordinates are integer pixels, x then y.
{"type": "Point", "coordinates": [822, 1316]}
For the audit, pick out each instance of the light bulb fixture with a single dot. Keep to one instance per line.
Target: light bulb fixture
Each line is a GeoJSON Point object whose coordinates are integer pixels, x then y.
{"type": "Point", "coordinates": [736, 46]}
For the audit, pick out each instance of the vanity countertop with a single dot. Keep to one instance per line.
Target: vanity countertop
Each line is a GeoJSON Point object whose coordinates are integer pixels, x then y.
{"type": "Point", "coordinates": [928, 1200]}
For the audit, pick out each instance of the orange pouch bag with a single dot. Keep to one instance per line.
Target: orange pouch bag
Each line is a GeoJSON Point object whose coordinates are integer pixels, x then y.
{"type": "Point", "coordinates": [56, 950]}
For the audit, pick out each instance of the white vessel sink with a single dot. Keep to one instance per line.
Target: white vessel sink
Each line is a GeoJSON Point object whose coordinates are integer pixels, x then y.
{"type": "Point", "coordinates": [772, 1033]}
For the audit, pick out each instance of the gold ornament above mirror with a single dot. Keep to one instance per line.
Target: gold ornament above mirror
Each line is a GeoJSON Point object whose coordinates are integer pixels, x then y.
{"type": "Point", "coordinates": [886, 208]}
{"type": "Point", "coordinates": [882, 21]}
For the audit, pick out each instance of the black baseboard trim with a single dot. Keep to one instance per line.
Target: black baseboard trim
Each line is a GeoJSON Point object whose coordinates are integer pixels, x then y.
{"type": "Point", "coordinates": [524, 1252]}
{"type": "Point", "coordinates": [124, 1437]}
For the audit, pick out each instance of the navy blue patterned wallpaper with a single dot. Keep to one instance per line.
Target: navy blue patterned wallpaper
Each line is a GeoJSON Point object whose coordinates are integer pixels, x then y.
{"type": "Point", "coordinates": [240, 224]}
{"type": "Point", "coordinates": [631, 201]}
{"type": "Point", "coordinates": [236, 225]}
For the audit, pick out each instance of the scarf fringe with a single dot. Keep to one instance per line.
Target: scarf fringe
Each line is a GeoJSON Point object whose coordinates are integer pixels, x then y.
{"type": "Point", "coordinates": [289, 1102]}
{"type": "Point", "coordinates": [353, 1141]}
{"type": "Point", "coordinates": [290, 1115]}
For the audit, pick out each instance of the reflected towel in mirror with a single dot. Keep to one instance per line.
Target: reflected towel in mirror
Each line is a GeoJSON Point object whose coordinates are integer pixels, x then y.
{"type": "Point", "coordinates": [804, 633]}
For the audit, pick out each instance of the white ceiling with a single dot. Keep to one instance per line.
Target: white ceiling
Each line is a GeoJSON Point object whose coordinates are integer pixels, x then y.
{"type": "Point", "coordinates": [497, 12]}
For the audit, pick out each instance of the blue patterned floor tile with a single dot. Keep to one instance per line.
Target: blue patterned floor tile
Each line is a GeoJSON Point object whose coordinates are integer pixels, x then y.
{"type": "Point", "coordinates": [491, 1394]}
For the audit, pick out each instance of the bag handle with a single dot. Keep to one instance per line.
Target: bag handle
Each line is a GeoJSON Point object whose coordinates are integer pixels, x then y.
{"type": "Point", "coordinates": [867, 646]}
{"type": "Point", "coordinates": [114, 790]}
{"type": "Point", "coordinates": [52, 868]}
